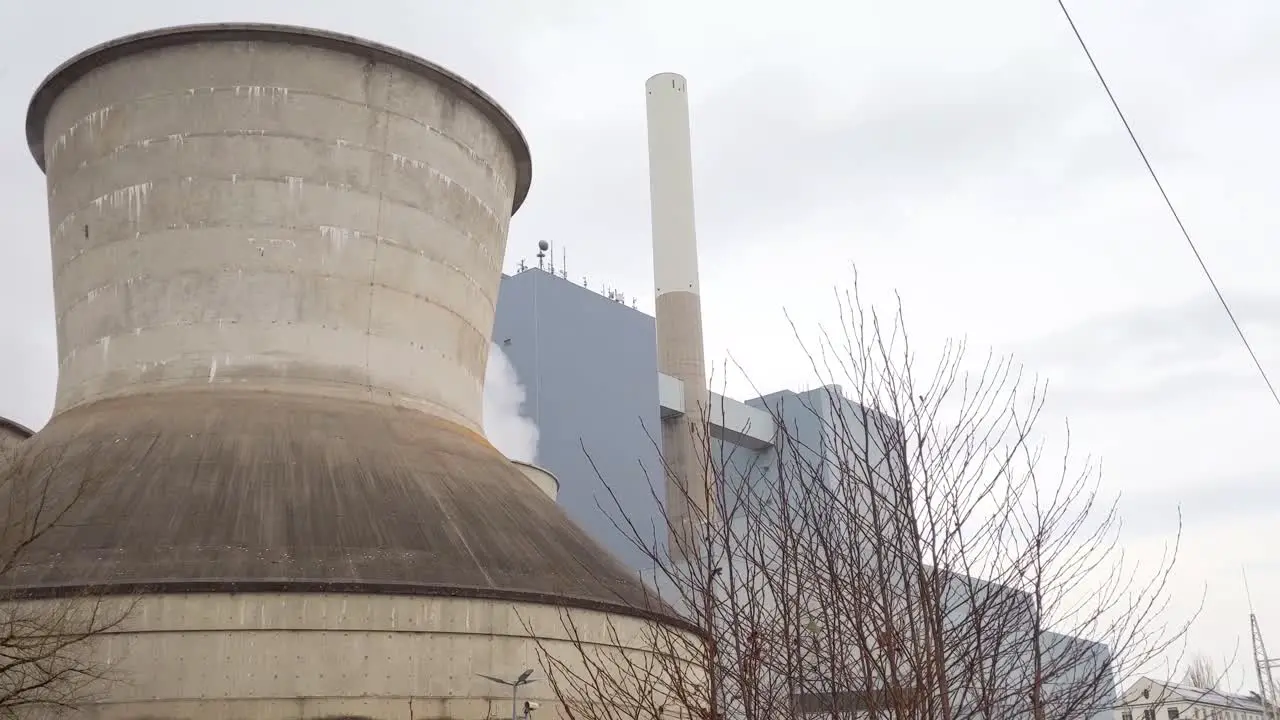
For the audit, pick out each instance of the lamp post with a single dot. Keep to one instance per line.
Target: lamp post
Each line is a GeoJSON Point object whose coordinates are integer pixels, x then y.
{"type": "Point", "coordinates": [515, 688]}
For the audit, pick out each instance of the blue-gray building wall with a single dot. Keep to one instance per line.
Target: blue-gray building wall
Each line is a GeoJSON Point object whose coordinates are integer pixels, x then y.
{"type": "Point", "coordinates": [589, 367]}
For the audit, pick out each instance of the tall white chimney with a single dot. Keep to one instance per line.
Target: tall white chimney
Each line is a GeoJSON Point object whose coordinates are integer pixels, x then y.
{"type": "Point", "coordinates": [678, 305]}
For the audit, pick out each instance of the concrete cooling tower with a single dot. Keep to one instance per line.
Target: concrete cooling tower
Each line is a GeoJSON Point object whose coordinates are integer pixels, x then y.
{"type": "Point", "coordinates": [276, 254]}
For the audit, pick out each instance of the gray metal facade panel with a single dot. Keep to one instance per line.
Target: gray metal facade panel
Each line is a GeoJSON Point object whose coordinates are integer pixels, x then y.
{"type": "Point", "coordinates": [590, 371]}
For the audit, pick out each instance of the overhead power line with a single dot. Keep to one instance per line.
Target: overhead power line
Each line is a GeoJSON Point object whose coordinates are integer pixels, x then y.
{"type": "Point", "coordinates": [1169, 203]}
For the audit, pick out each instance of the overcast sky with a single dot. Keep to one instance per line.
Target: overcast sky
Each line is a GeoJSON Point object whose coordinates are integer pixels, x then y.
{"type": "Point", "coordinates": [959, 152]}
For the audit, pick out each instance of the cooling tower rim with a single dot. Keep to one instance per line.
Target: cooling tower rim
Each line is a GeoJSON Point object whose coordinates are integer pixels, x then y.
{"type": "Point", "coordinates": [540, 469]}
{"type": "Point", "coordinates": [662, 615]}
{"type": "Point", "coordinates": [16, 426]}
{"type": "Point", "coordinates": [66, 74]}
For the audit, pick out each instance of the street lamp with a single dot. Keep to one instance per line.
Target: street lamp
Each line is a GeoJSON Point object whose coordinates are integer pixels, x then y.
{"type": "Point", "coordinates": [515, 688]}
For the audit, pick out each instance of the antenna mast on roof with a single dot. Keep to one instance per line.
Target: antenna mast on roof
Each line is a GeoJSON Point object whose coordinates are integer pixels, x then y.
{"type": "Point", "coordinates": [1261, 663]}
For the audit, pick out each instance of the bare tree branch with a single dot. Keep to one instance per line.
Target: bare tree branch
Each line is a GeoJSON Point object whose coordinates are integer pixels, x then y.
{"type": "Point", "coordinates": [48, 654]}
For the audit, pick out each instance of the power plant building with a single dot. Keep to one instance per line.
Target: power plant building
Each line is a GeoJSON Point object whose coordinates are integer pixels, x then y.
{"type": "Point", "coordinates": [588, 365]}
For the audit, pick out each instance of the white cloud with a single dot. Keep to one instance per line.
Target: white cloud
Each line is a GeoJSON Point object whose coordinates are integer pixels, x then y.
{"type": "Point", "coordinates": [514, 434]}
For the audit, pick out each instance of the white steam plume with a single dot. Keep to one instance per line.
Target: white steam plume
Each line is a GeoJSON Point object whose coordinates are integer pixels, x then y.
{"type": "Point", "coordinates": [514, 434]}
